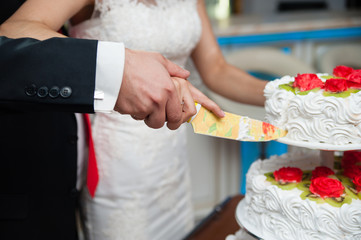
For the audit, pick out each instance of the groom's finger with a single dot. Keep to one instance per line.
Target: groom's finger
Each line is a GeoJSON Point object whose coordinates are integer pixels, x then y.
{"type": "Point", "coordinates": [175, 70]}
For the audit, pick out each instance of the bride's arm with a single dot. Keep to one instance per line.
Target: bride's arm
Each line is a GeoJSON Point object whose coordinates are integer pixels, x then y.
{"type": "Point", "coordinates": [41, 19]}
{"type": "Point", "coordinates": [220, 76]}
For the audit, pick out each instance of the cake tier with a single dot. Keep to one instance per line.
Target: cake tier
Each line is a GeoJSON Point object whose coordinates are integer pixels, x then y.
{"type": "Point", "coordinates": [315, 115]}
{"type": "Point", "coordinates": [279, 214]}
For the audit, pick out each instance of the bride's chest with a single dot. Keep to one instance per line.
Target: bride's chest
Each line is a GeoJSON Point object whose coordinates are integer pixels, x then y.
{"type": "Point", "coordinates": [165, 29]}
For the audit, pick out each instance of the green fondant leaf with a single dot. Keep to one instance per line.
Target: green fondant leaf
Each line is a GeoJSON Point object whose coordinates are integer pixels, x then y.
{"type": "Point", "coordinates": [343, 94]}
{"type": "Point", "coordinates": [345, 180]}
{"type": "Point", "coordinates": [270, 177]}
{"type": "Point", "coordinates": [304, 185]}
{"type": "Point", "coordinates": [338, 202]}
{"type": "Point", "coordinates": [304, 195]}
{"type": "Point", "coordinates": [269, 174]}
{"type": "Point", "coordinates": [350, 191]}
{"type": "Point", "coordinates": [287, 87]}
{"type": "Point", "coordinates": [307, 92]}
{"type": "Point", "coordinates": [314, 197]}
{"type": "Point", "coordinates": [340, 94]}
{"type": "Point", "coordinates": [334, 177]}
{"type": "Point", "coordinates": [347, 200]}
{"type": "Point", "coordinates": [327, 77]}
{"type": "Point", "coordinates": [333, 202]}
{"type": "Point", "coordinates": [287, 186]}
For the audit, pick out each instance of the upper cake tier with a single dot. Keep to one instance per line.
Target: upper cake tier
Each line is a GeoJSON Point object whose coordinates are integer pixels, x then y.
{"type": "Point", "coordinates": [317, 108]}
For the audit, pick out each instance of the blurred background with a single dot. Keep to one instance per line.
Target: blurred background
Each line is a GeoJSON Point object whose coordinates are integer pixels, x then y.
{"type": "Point", "coordinates": [269, 39]}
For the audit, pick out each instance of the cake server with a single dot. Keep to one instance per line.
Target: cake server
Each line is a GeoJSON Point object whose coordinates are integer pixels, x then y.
{"type": "Point", "coordinates": [233, 126]}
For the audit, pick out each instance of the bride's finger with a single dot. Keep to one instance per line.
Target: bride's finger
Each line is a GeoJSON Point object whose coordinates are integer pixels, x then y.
{"type": "Point", "coordinates": [189, 108]}
{"type": "Point", "coordinates": [202, 99]}
{"type": "Point", "coordinates": [176, 103]}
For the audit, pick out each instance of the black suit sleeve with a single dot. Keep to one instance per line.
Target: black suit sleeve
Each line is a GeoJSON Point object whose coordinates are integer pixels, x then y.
{"type": "Point", "coordinates": [57, 74]}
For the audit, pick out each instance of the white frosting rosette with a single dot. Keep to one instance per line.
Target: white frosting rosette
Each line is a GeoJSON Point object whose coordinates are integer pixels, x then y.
{"type": "Point", "coordinates": [327, 222]}
{"type": "Point", "coordinates": [277, 227]}
{"type": "Point", "coordinates": [306, 216]}
{"type": "Point", "coordinates": [349, 218]}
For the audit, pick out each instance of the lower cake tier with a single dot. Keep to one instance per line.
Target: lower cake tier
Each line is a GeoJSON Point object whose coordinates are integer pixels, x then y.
{"type": "Point", "coordinates": [277, 210]}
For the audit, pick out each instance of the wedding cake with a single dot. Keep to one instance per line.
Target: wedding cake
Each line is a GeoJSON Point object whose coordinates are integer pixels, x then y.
{"type": "Point", "coordinates": [317, 108]}
{"type": "Point", "coordinates": [295, 196]}
{"type": "Point", "coordinates": [292, 197]}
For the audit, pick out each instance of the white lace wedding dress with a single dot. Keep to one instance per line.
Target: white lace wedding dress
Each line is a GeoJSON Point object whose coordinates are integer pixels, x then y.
{"type": "Point", "coordinates": [144, 188]}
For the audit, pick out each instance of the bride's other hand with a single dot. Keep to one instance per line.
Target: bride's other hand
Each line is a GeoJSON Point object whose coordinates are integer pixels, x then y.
{"type": "Point", "coordinates": [148, 92]}
{"type": "Point", "coordinates": [220, 76]}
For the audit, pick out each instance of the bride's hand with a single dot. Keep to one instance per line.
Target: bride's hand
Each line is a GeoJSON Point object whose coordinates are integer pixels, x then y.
{"type": "Point", "coordinates": [188, 94]}
{"type": "Point", "coordinates": [202, 99]}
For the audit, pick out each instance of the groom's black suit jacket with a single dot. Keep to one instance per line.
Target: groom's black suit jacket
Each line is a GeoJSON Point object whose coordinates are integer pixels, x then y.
{"type": "Point", "coordinates": [38, 132]}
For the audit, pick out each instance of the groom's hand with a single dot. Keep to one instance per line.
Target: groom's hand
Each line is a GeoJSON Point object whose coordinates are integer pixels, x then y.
{"type": "Point", "coordinates": [155, 90]}
{"type": "Point", "coordinates": [147, 92]}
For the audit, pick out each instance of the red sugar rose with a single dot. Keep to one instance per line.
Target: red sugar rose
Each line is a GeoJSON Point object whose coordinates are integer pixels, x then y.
{"type": "Point", "coordinates": [288, 174]}
{"type": "Point", "coordinates": [355, 77]}
{"type": "Point", "coordinates": [342, 71]}
{"type": "Point", "coordinates": [353, 85]}
{"type": "Point", "coordinates": [350, 158]}
{"type": "Point", "coordinates": [357, 182]}
{"type": "Point", "coordinates": [352, 171]}
{"type": "Point", "coordinates": [307, 82]}
{"type": "Point", "coordinates": [326, 187]}
{"type": "Point", "coordinates": [321, 172]}
{"type": "Point", "coordinates": [336, 85]}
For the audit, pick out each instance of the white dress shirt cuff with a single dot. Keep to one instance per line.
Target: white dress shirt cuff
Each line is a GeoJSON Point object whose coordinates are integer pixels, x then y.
{"type": "Point", "coordinates": [109, 75]}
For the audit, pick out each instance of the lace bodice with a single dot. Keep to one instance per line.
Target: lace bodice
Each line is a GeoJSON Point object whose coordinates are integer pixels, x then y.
{"type": "Point", "coordinates": [170, 27]}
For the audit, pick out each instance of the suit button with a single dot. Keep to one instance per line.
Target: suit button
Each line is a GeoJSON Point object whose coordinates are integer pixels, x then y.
{"type": "Point", "coordinates": [65, 92]}
{"type": "Point", "coordinates": [43, 92]}
{"type": "Point", "coordinates": [30, 90]}
{"type": "Point", "coordinates": [54, 92]}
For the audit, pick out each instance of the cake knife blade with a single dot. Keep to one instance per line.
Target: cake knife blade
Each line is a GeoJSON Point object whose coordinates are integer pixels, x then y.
{"type": "Point", "coordinates": [233, 126]}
